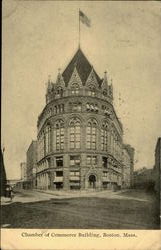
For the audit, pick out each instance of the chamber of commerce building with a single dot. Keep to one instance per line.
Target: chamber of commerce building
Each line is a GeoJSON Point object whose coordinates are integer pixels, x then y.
{"type": "Point", "coordinates": [80, 138]}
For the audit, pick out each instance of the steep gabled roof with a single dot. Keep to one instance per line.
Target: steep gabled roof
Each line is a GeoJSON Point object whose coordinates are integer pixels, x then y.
{"type": "Point", "coordinates": [82, 65]}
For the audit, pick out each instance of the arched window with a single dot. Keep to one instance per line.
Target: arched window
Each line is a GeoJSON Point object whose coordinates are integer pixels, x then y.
{"type": "Point", "coordinates": [104, 137]}
{"type": "Point", "coordinates": [59, 135]}
{"type": "Point", "coordinates": [47, 139]}
{"type": "Point", "coordinates": [75, 89]}
{"type": "Point", "coordinates": [75, 134]}
{"type": "Point", "coordinates": [91, 134]}
{"type": "Point", "coordinates": [91, 91]}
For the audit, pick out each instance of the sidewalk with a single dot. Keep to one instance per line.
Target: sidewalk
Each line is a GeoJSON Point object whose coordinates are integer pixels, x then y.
{"type": "Point", "coordinates": [5, 200]}
{"type": "Point", "coordinates": [110, 194]}
{"type": "Point", "coordinates": [73, 194]}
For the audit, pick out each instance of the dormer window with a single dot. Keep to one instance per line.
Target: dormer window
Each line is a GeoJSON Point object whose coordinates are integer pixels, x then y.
{"type": "Point", "coordinates": [92, 91]}
{"type": "Point", "coordinates": [75, 89]}
{"type": "Point", "coordinates": [58, 93]}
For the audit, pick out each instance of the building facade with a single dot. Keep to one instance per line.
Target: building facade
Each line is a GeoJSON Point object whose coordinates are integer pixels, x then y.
{"type": "Point", "coordinates": [126, 169]}
{"type": "Point", "coordinates": [157, 166]}
{"type": "Point", "coordinates": [144, 178]}
{"type": "Point", "coordinates": [80, 138]}
{"type": "Point", "coordinates": [23, 169]}
{"type": "Point", "coordinates": [31, 165]}
{"type": "Point", "coordinates": [3, 180]}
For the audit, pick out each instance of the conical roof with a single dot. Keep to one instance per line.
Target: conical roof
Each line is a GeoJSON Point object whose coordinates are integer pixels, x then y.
{"type": "Point", "coordinates": [83, 67]}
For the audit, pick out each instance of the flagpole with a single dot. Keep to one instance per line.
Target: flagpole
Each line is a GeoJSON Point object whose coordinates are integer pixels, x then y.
{"type": "Point", "coordinates": [79, 30]}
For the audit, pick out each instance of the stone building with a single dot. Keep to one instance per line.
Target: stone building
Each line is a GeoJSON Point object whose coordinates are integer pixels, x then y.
{"type": "Point", "coordinates": [126, 169]}
{"type": "Point", "coordinates": [23, 169]}
{"type": "Point", "coordinates": [3, 180]}
{"type": "Point", "coordinates": [31, 162]}
{"type": "Point", "coordinates": [157, 166]}
{"type": "Point", "coordinates": [130, 161]}
{"type": "Point", "coordinates": [80, 138]}
{"type": "Point", "coordinates": [144, 178]}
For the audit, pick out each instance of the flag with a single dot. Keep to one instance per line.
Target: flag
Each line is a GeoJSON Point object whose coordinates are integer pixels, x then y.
{"type": "Point", "coordinates": [84, 18]}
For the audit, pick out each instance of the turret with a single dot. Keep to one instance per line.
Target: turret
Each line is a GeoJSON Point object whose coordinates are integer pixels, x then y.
{"type": "Point", "coordinates": [50, 87]}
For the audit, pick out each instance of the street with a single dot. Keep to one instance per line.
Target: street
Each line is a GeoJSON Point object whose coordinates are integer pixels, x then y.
{"type": "Point", "coordinates": [132, 209]}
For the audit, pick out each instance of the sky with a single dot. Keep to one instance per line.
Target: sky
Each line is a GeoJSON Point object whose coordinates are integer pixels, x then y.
{"type": "Point", "coordinates": [41, 36]}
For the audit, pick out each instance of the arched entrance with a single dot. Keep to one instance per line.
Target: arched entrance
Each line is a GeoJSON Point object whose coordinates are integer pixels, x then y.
{"type": "Point", "coordinates": [92, 181]}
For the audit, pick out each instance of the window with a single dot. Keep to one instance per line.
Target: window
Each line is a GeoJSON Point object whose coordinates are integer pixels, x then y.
{"type": "Point", "coordinates": [104, 162]}
{"type": "Point", "coordinates": [92, 107]}
{"type": "Point", "coordinates": [59, 173]}
{"type": "Point", "coordinates": [61, 108]}
{"type": "Point", "coordinates": [47, 139]}
{"type": "Point", "coordinates": [59, 133]}
{"type": "Point", "coordinates": [91, 160]}
{"type": "Point", "coordinates": [91, 133]}
{"type": "Point", "coordinates": [75, 134]}
{"type": "Point", "coordinates": [75, 89]}
{"type": "Point", "coordinates": [74, 173]}
{"type": "Point", "coordinates": [88, 107]}
{"type": "Point", "coordinates": [58, 92]}
{"type": "Point", "coordinates": [96, 108]}
{"type": "Point", "coordinates": [75, 160]}
{"type": "Point", "coordinates": [75, 107]}
{"type": "Point", "coordinates": [105, 174]}
{"type": "Point", "coordinates": [91, 91]}
{"type": "Point", "coordinates": [59, 161]}
{"type": "Point", "coordinates": [104, 137]}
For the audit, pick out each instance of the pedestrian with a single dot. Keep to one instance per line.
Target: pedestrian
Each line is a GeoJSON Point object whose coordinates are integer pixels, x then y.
{"type": "Point", "coordinates": [11, 194]}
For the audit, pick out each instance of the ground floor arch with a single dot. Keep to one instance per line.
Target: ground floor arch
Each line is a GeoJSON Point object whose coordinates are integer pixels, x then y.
{"type": "Point", "coordinates": [92, 181]}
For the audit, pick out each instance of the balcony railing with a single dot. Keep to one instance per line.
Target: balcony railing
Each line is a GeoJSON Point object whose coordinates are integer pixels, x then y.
{"type": "Point", "coordinates": [80, 92]}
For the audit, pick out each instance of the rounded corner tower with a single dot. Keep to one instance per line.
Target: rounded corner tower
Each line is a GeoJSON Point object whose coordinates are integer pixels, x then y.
{"type": "Point", "coordinates": [79, 135]}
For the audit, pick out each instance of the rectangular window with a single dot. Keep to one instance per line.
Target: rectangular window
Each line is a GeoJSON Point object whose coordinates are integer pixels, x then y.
{"type": "Point", "coordinates": [74, 160]}
{"type": "Point", "coordinates": [59, 161]}
{"type": "Point", "coordinates": [88, 160]}
{"type": "Point", "coordinates": [104, 162]}
{"type": "Point", "coordinates": [59, 173]}
{"type": "Point", "coordinates": [74, 173]}
{"type": "Point", "coordinates": [92, 160]}
{"type": "Point", "coordinates": [104, 174]}
{"type": "Point", "coordinates": [72, 130]}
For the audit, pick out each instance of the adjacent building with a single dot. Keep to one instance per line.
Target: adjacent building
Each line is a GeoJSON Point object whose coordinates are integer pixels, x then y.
{"type": "Point", "coordinates": [31, 164]}
{"type": "Point", "coordinates": [23, 169]}
{"type": "Point", "coordinates": [144, 178]}
{"type": "Point", "coordinates": [157, 166]}
{"type": "Point", "coordinates": [3, 180]}
{"type": "Point", "coordinates": [126, 169]}
{"type": "Point", "coordinates": [80, 138]}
